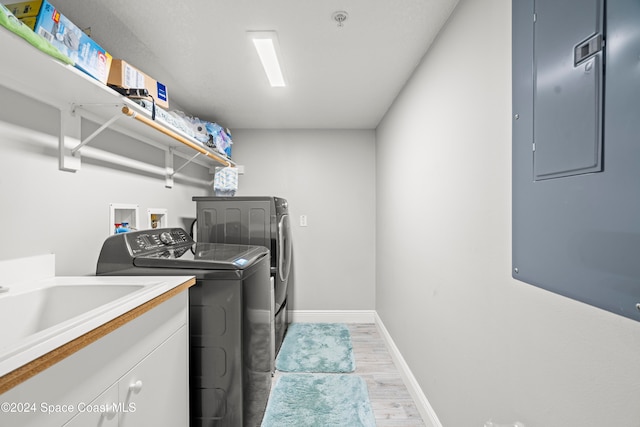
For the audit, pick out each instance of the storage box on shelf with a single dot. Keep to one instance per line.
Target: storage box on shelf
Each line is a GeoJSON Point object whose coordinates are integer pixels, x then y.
{"type": "Point", "coordinates": [51, 24]}
{"type": "Point", "coordinates": [39, 76]}
{"type": "Point", "coordinates": [16, 26]}
{"type": "Point", "coordinates": [126, 76]}
{"type": "Point", "coordinates": [25, 9]}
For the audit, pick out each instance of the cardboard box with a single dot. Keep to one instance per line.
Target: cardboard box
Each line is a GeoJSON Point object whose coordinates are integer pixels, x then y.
{"type": "Point", "coordinates": [30, 21]}
{"type": "Point", "coordinates": [126, 76]}
{"type": "Point", "coordinates": [71, 41]}
{"type": "Point", "coordinates": [25, 9]}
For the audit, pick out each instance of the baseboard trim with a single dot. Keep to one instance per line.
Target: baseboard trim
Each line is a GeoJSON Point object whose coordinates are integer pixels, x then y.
{"type": "Point", "coordinates": [332, 316]}
{"type": "Point", "coordinates": [424, 407]}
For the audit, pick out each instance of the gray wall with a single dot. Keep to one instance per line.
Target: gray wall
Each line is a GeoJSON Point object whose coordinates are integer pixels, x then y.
{"type": "Point", "coordinates": [44, 210]}
{"type": "Point", "coordinates": [329, 176]}
{"type": "Point", "coordinates": [482, 345]}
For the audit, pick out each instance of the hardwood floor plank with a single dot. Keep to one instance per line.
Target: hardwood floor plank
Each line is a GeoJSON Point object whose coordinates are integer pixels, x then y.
{"type": "Point", "coordinates": [390, 400]}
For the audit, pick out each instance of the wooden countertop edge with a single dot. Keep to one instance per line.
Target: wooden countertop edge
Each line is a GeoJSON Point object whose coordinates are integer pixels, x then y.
{"type": "Point", "coordinates": [47, 360]}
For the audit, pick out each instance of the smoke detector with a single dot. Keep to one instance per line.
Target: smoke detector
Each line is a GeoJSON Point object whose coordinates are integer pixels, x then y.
{"type": "Point", "coordinates": [340, 16]}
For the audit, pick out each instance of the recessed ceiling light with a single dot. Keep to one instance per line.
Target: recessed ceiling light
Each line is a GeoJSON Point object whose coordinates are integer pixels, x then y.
{"type": "Point", "coordinates": [266, 44]}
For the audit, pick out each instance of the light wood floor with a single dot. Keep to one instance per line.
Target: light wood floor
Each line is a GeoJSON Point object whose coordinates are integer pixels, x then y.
{"type": "Point", "coordinates": [390, 400]}
{"type": "Point", "coordinates": [391, 403]}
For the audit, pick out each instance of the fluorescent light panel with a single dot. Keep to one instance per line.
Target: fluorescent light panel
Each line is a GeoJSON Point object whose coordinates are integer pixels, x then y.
{"type": "Point", "coordinates": [266, 44]}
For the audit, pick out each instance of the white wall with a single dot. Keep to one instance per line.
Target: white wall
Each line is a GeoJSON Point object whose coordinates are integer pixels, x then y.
{"type": "Point", "coordinates": [482, 345]}
{"type": "Point", "coordinates": [44, 210]}
{"type": "Point", "coordinates": [329, 176]}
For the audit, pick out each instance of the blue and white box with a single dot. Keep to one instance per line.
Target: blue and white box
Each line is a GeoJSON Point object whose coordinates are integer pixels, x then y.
{"type": "Point", "coordinates": [73, 42]}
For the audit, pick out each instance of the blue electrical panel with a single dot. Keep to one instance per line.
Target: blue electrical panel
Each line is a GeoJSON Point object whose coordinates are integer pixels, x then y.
{"type": "Point", "coordinates": [576, 150]}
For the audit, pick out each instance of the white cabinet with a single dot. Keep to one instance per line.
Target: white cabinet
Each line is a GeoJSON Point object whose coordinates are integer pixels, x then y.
{"type": "Point", "coordinates": [155, 393]}
{"type": "Point", "coordinates": [136, 375]}
{"type": "Point", "coordinates": [151, 394]}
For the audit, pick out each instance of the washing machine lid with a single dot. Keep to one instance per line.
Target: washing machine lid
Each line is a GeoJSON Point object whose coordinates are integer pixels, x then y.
{"type": "Point", "coordinates": [205, 256]}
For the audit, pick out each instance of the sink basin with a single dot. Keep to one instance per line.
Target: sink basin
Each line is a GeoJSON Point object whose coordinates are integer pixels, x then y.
{"type": "Point", "coordinates": [40, 315]}
{"type": "Point", "coordinates": [34, 311]}
{"type": "Point", "coordinates": [45, 318]}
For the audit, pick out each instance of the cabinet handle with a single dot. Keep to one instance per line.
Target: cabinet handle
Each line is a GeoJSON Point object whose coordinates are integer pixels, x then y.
{"type": "Point", "coordinates": [110, 412]}
{"type": "Point", "coordinates": [136, 387]}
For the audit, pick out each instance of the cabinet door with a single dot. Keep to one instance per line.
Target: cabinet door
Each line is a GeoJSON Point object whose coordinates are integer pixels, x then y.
{"type": "Point", "coordinates": [102, 412]}
{"type": "Point", "coordinates": [155, 393]}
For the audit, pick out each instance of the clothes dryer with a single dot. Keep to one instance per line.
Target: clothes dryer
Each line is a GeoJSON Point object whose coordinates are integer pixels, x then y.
{"type": "Point", "coordinates": [255, 220]}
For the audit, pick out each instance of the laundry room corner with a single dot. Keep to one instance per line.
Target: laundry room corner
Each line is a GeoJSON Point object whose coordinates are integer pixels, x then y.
{"type": "Point", "coordinates": [328, 177]}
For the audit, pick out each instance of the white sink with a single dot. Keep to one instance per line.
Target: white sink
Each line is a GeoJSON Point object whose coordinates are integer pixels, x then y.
{"type": "Point", "coordinates": [40, 314]}
{"type": "Point", "coordinates": [36, 310]}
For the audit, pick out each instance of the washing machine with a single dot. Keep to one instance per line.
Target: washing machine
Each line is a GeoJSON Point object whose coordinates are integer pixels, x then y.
{"type": "Point", "coordinates": [231, 317]}
{"type": "Point", "coordinates": [254, 220]}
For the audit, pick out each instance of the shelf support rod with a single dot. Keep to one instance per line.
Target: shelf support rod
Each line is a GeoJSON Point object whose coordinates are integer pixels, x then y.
{"type": "Point", "coordinates": [131, 113]}
{"type": "Point", "coordinates": [96, 133]}
{"type": "Point", "coordinates": [185, 164]}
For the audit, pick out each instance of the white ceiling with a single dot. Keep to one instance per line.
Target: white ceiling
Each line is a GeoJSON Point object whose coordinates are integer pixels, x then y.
{"type": "Point", "coordinates": [338, 78]}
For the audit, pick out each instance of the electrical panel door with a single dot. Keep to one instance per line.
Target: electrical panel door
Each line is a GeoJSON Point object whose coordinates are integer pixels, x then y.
{"type": "Point", "coordinates": [567, 53]}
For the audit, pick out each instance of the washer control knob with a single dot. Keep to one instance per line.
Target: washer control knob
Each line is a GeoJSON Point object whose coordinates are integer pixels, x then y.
{"type": "Point", "coordinates": [166, 238]}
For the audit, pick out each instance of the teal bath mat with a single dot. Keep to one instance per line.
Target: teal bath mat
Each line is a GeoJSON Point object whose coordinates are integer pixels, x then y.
{"type": "Point", "coordinates": [319, 400]}
{"type": "Point", "coordinates": [316, 347]}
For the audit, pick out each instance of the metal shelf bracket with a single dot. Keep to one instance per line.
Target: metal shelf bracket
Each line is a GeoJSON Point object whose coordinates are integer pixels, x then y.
{"type": "Point", "coordinates": [171, 172]}
{"type": "Point", "coordinates": [95, 133]}
{"type": "Point", "coordinates": [168, 165]}
{"type": "Point", "coordinates": [70, 142]}
{"type": "Point", "coordinates": [70, 129]}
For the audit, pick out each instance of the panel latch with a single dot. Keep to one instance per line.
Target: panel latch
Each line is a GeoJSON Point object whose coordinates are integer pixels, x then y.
{"type": "Point", "coordinates": [587, 49]}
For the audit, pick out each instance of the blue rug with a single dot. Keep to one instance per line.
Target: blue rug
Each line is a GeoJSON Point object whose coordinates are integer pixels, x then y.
{"type": "Point", "coordinates": [316, 347]}
{"type": "Point", "coordinates": [319, 400]}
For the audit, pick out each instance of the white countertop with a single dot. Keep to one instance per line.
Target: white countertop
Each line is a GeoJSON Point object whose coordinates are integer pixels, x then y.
{"type": "Point", "coordinates": [17, 352]}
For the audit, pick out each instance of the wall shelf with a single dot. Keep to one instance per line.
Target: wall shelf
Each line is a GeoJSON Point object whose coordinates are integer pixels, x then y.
{"type": "Point", "coordinates": [34, 74]}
